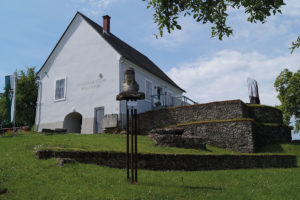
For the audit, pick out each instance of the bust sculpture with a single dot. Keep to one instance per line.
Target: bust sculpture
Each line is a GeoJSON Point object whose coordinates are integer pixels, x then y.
{"type": "Point", "coordinates": [130, 88]}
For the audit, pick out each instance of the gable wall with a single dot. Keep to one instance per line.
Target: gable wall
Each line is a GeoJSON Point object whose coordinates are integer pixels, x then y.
{"type": "Point", "coordinates": [81, 56]}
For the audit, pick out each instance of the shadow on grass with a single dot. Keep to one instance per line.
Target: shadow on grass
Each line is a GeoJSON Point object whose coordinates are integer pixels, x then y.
{"type": "Point", "coordinates": [202, 188]}
{"type": "Point", "coordinates": [3, 191]}
{"type": "Point", "coordinates": [8, 136]}
{"type": "Point", "coordinates": [274, 148]}
{"type": "Point", "coordinates": [188, 187]}
{"type": "Point", "coordinates": [296, 142]}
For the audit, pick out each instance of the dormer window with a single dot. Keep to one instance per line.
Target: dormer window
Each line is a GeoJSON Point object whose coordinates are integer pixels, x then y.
{"type": "Point", "coordinates": [60, 89]}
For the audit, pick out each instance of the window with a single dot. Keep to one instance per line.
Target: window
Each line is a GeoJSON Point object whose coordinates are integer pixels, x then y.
{"type": "Point", "coordinates": [60, 89]}
{"type": "Point", "coordinates": [148, 90]}
{"type": "Point", "coordinates": [159, 92]}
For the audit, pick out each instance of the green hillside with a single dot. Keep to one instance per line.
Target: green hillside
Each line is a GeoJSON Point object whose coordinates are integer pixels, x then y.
{"type": "Point", "coordinates": [29, 178]}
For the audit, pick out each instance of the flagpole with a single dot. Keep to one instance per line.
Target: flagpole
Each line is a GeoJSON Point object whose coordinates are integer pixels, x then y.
{"type": "Point", "coordinates": [14, 98]}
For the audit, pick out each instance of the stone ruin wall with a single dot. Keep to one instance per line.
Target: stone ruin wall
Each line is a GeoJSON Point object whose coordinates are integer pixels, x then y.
{"type": "Point", "coordinates": [229, 124]}
{"type": "Point", "coordinates": [223, 110]}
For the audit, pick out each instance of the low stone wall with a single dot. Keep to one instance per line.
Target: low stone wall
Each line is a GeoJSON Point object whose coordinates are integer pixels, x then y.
{"type": "Point", "coordinates": [240, 135]}
{"type": "Point", "coordinates": [223, 110]}
{"type": "Point", "coordinates": [178, 141]}
{"type": "Point", "coordinates": [177, 162]}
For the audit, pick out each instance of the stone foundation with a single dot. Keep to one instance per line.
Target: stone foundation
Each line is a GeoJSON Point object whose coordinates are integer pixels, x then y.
{"type": "Point", "coordinates": [52, 125]}
{"type": "Point", "coordinates": [228, 124]}
{"type": "Point", "coordinates": [176, 162]}
{"type": "Point", "coordinates": [223, 110]}
{"type": "Point", "coordinates": [234, 135]}
{"type": "Point", "coordinates": [239, 135]}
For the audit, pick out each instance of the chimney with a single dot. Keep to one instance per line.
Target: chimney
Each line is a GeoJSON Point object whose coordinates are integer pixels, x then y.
{"type": "Point", "coordinates": [106, 23]}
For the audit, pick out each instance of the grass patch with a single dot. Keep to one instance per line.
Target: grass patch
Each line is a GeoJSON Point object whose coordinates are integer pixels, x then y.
{"type": "Point", "coordinates": [112, 143]}
{"type": "Point", "coordinates": [228, 120]}
{"type": "Point", "coordinates": [214, 121]}
{"type": "Point", "coordinates": [29, 178]}
{"type": "Point", "coordinates": [261, 105]}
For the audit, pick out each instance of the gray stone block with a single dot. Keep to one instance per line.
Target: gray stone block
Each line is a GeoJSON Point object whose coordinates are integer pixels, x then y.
{"type": "Point", "coordinates": [178, 141]}
{"type": "Point", "coordinates": [62, 161]}
{"type": "Point", "coordinates": [110, 121]}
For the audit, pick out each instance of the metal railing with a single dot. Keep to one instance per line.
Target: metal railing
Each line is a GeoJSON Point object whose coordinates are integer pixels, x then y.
{"type": "Point", "coordinates": [166, 100]}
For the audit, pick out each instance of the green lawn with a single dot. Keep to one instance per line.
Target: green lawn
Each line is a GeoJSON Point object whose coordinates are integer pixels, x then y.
{"type": "Point", "coordinates": [116, 143]}
{"type": "Point", "coordinates": [29, 178]}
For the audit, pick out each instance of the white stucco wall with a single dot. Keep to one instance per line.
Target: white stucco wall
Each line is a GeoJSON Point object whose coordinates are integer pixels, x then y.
{"type": "Point", "coordinates": [81, 56]}
{"type": "Point", "coordinates": [141, 75]}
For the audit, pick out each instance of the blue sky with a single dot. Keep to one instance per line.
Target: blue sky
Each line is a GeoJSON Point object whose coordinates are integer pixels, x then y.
{"type": "Point", "coordinates": [208, 69]}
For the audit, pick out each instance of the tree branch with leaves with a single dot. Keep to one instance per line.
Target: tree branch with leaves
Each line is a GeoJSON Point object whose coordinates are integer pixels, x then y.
{"type": "Point", "coordinates": [167, 13]}
{"type": "Point", "coordinates": [295, 45]}
{"type": "Point", "coordinates": [287, 85]}
{"type": "Point", "coordinates": [27, 91]}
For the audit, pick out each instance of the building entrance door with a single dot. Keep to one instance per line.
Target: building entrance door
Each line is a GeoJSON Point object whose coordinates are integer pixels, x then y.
{"type": "Point", "coordinates": [99, 113]}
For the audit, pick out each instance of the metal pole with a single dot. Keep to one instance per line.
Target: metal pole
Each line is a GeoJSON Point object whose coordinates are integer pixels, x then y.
{"type": "Point", "coordinates": [132, 156]}
{"type": "Point", "coordinates": [15, 97]}
{"type": "Point", "coordinates": [136, 155]}
{"type": "Point", "coordinates": [127, 141]}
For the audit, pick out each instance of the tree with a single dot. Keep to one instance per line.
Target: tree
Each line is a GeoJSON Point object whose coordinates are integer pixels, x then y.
{"type": "Point", "coordinates": [287, 84]}
{"type": "Point", "coordinates": [2, 108]}
{"type": "Point", "coordinates": [295, 45]}
{"type": "Point", "coordinates": [27, 91]}
{"type": "Point", "coordinates": [167, 12]}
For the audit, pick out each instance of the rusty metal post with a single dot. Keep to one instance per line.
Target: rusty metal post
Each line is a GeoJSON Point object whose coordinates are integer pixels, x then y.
{"type": "Point", "coordinates": [132, 152]}
{"type": "Point", "coordinates": [136, 155]}
{"type": "Point", "coordinates": [130, 92]}
{"type": "Point", "coordinates": [127, 141]}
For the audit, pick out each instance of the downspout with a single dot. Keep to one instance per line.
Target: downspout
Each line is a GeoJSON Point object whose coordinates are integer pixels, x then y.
{"type": "Point", "coordinates": [38, 103]}
{"type": "Point", "coordinates": [121, 61]}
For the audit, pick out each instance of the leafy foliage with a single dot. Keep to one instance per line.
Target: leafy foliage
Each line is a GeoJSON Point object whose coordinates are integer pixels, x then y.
{"type": "Point", "coordinates": [288, 86]}
{"type": "Point", "coordinates": [167, 12]}
{"type": "Point", "coordinates": [27, 89]}
{"type": "Point", "coordinates": [295, 45]}
{"type": "Point", "coordinates": [2, 108]}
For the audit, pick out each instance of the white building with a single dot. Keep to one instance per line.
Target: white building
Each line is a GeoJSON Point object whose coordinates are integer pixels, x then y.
{"type": "Point", "coordinates": [83, 74]}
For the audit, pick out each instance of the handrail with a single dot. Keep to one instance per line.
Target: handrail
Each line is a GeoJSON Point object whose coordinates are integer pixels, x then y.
{"type": "Point", "coordinates": [166, 100]}
{"type": "Point", "coordinates": [194, 102]}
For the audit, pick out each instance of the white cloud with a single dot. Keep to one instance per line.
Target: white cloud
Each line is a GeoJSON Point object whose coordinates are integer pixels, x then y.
{"type": "Point", "coordinates": [94, 7]}
{"type": "Point", "coordinates": [276, 28]}
{"type": "Point", "coordinates": [292, 8]}
{"type": "Point", "coordinates": [177, 37]}
{"type": "Point", "coordinates": [224, 76]}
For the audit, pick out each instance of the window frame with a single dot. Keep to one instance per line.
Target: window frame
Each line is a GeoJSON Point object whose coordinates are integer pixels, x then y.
{"type": "Point", "coordinates": [65, 89]}
{"type": "Point", "coordinates": [147, 80]}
